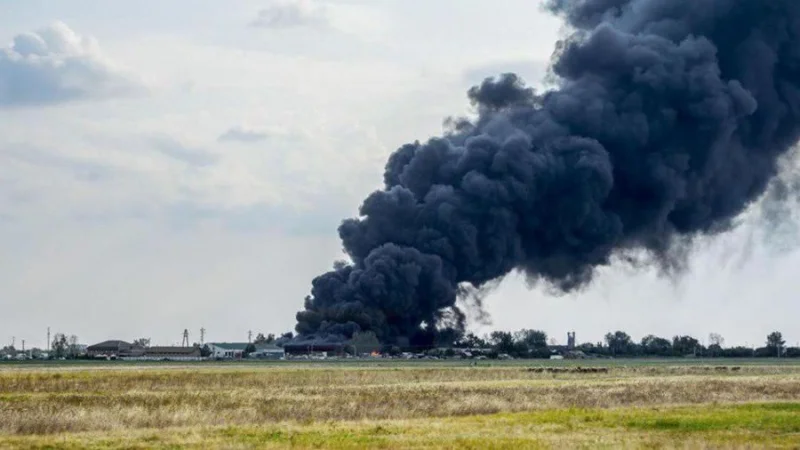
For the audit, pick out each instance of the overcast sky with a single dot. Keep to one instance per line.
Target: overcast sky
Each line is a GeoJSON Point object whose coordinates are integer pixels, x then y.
{"type": "Point", "coordinates": [185, 164]}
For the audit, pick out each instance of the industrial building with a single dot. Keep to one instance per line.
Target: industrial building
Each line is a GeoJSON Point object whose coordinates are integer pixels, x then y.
{"type": "Point", "coordinates": [114, 349]}
{"type": "Point", "coordinates": [236, 350]}
{"type": "Point", "coordinates": [172, 353]}
{"type": "Point", "coordinates": [267, 351]}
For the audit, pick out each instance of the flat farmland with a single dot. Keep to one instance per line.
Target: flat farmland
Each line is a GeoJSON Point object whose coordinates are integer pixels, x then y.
{"type": "Point", "coordinates": [398, 404]}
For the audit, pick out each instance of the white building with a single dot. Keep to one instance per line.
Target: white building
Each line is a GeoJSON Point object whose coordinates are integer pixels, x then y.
{"type": "Point", "coordinates": [227, 350]}
{"type": "Point", "coordinates": [235, 350]}
{"type": "Point", "coordinates": [268, 351]}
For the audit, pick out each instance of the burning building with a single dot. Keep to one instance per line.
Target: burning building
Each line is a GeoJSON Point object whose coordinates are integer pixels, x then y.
{"type": "Point", "coordinates": [314, 348]}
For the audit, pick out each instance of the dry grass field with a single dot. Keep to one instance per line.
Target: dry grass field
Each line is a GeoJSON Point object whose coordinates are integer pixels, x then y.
{"type": "Point", "coordinates": [399, 406]}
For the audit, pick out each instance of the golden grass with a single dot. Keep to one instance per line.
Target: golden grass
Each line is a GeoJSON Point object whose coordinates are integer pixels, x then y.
{"type": "Point", "coordinates": [748, 426]}
{"type": "Point", "coordinates": [416, 407]}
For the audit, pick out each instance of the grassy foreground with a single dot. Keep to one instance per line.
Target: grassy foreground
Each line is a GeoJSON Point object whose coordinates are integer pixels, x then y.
{"type": "Point", "coordinates": [318, 406]}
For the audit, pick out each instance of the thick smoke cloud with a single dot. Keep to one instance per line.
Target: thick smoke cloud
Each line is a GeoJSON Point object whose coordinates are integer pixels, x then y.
{"type": "Point", "coordinates": [667, 121]}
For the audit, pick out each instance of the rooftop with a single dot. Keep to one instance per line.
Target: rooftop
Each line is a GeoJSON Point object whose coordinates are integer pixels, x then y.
{"type": "Point", "coordinates": [230, 345]}
{"type": "Point", "coordinates": [172, 350]}
{"type": "Point", "coordinates": [260, 347]}
{"type": "Point", "coordinates": [110, 344]}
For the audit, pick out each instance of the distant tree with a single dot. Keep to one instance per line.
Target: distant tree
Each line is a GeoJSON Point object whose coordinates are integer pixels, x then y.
{"type": "Point", "coordinates": [792, 352]}
{"type": "Point", "coordinates": [60, 345]}
{"type": "Point", "coordinates": [656, 346]}
{"type": "Point", "coordinates": [471, 341]}
{"type": "Point", "coordinates": [619, 343]}
{"type": "Point", "coordinates": [714, 350]}
{"type": "Point", "coordinates": [268, 339]}
{"type": "Point", "coordinates": [685, 345]}
{"type": "Point", "coordinates": [775, 343]}
{"type": "Point", "coordinates": [533, 339]}
{"type": "Point", "coordinates": [502, 341]}
{"type": "Point", "coordinates": [715, 344]}
{"type": "Point", "coordinates": [205, 351]}
{"type": "Point", "coordinates": [591, 349]}
{"type": "Point", "coordinates": [764, 352]}
{"type": "Point", "coordinates": [73, 348]}
{"type": "Point", "coordinates": [142, 342]}
{"type": "Point", "coordinates": [250, 348]}
{"type": "Point", "coordinates": [737, 352]}
{"type": "Point", "coordinates": [521, 344]}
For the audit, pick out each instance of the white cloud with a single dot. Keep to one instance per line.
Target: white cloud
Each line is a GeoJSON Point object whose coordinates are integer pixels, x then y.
{"type": "Point", "coordinates": [282, 14]}
{"type": "Point", "coordinates": [93, 169]}
{"type": "Point", "coordinates": [242, 134]}
{"type": "Point", "coordinates": [56, 65]}
{"type": "Point", "coordinates": [321, 27]}
{"type": "Point", "coordinates": [187, 155]}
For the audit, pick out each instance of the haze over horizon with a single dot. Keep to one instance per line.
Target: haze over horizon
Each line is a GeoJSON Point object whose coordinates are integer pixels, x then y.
{"type": "Point", "coordinates": [170, 166]}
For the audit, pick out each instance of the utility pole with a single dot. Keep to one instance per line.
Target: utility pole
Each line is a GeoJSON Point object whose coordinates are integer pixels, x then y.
{"type": "Point", "coordinates": [202, 335]}
{"type": "Point", "coordinates": [23, 346]}
{"type": "Point", "coordinates": [185, 342]}
{"type": "Point", "coordinates": [249, 336]}
{"type": "Point", "coordinates": [13, 342]}
{"type": "Point", "coordinates": [48, 339]}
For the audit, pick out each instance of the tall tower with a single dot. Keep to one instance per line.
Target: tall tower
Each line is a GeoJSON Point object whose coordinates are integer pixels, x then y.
{"type": "Point", "coordinates": [249, 336]}
{"type": "Point", "coordinates": [571, 340]}
{"type": "Point", "coordinates": [185, 342]}
{"type": "Point", "coordinates": [202, 335]}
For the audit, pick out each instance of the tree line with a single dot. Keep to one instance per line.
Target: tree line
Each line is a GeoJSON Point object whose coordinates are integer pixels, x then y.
{"type": "Point", "coordinates": [534, 344]}
{"type": "Point", "coordinates": [62, 346]}
{"type": "Point", "coordinates": [530, 343]}
{"type": "Point", "coordinates": [525, 343]}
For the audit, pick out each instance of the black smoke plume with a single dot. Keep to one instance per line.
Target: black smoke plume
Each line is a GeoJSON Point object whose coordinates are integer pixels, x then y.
{"type": "Point", "coordinates": [667, 120]}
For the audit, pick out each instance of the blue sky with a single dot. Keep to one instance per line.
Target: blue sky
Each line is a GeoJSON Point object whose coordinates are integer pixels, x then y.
{"type": "Point", "coordinates": [171, 165]}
